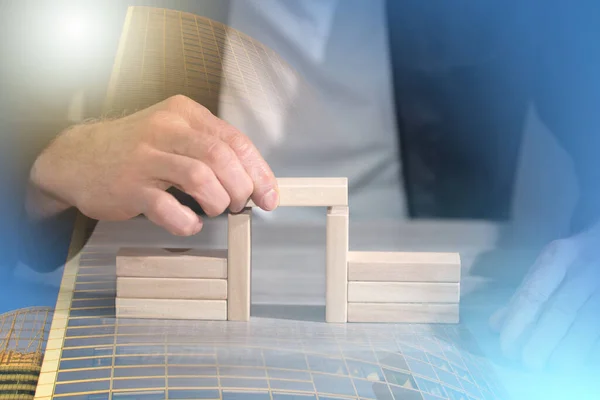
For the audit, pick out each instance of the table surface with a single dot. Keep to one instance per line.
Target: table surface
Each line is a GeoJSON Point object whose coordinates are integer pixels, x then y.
{"type": "Point", "coordinates": [288, 297]}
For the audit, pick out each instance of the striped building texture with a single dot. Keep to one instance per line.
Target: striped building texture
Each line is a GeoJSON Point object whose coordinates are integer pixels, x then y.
{"type": "Point", "coordinates": [164, 52]}
{"type": "Point", "coordinates": [23, 334]}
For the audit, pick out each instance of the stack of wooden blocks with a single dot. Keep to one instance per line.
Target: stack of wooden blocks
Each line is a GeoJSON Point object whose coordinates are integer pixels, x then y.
{"type": "Point", "coordinates": [403, 287]}
{"type": "Point", "coordinates": [360, 286]}
{"type": "Point", "coordinates": [164, 284]}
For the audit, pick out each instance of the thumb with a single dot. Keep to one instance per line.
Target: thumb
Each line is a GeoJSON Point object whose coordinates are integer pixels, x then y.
{"type": "Point", "coordinates": [164, 210]}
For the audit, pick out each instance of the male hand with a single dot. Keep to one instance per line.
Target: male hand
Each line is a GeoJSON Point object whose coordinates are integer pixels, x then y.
{"type": "Point", "coordinates": [118, 169]}
{"type": "Point", "coordinates": [554, 317]}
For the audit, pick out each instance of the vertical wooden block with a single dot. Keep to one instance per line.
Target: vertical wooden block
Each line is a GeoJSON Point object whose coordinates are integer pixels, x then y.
{"type": "Point", "coordinates": [239, 258]}
{"type": "Point", "coordinates": [336, 298]}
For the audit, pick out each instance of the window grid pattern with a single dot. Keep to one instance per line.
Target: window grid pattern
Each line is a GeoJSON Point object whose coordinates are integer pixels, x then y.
{"type": "Point", "coordinates": [107, 358]}
{"type": "Point", "coordinates": [167, 52]}
{"type": "Point", "coordinates": [23, 334]}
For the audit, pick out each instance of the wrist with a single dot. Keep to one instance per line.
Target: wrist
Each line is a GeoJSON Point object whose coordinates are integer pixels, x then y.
{"type": "Point", "coordinates": [52, 183]}
{"type": "Point", "coordinates": [41, 205]}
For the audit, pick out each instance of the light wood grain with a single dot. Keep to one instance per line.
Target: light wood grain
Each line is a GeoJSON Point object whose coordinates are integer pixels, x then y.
{"type": "Point", "coordinates": [239, 237]}
{"type": "Point", "coordinates": [414, 313]}
{"type": "Point", "coordinates": [311, 192]}
{"type": "Point", "coordinates": [336, 298]}
{"type": "Point", "coordinates": [172, 288]}
{"type": "Point", "coordinates": [403, 292]}
{"type": "Point", "coordinates": [171, 309]}
{"type": "Point", "coordinates": [403, 266]}
{"type": "Point", "coordinates": [164, 263]}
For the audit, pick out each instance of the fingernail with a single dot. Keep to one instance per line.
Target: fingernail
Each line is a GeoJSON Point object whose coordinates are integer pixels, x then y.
{"type": "Point", "coordinates": [198, 226]}
{"type": "Point", "coordinates": [185, 219]}
{"type": "Point", "coordinates": [236, 209]}
{"type": "Point", "coordinates": [271, 199]}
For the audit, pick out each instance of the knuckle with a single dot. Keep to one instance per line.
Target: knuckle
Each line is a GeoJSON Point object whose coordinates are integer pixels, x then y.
{"type": "Point", "coordinates": [533, 297]}
{"type": "Point", "coordinates": [218, 154]}
{"type": "Point", "coordinates": [215, 209]}
{"type": "Point", "coordinates": [177, 102]}
{"type": "Point", "coordinates": [241, 144]}
{"type": "Point", "coordinates": [157, 122]}
{"type": "Point", "coordinates": [244, 190]}
{"type": "Point", "coordinates": [197, 176]}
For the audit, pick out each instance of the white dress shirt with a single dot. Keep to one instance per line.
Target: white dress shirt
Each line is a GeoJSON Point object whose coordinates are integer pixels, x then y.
{"type": "Point", "coordinates": [343, 122]}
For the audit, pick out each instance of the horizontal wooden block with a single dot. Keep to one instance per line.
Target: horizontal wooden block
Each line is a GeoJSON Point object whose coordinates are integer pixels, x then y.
{"type": "Point", "coordinates": [410, 313]}
{"type": "Point", "coordinates": [403, 267]}
{"type": "Point", "coordinates": [311, 192]}
{"type": "Point", "coordinates": [171, 309]}
{"type": "Point", "coordinates": [403, 292]}
{"type": "Point", "coordinates": [163, 263]}
{"type": "Point", "coordinates": [172, 288]}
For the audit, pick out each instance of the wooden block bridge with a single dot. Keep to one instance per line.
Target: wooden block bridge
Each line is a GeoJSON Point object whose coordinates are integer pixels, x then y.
{"type": "Point", "coordinates": [361, 286]}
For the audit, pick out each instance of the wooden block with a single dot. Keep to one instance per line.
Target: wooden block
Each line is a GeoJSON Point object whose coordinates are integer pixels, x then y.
{"type": "Point", "coordinates": [239, 258]}
{"type": "Point", "coordinates": [171, 309]}
{"type": "Point", "coordinates": [336, 298]}
{"type": "Point", "coordinates": [172, 288]}
{"type": "Point", "coordinates": [403, 267]}
{"type": "Point", "coordinates": [163, 263]}
{"type": "Point", "coordinates": [410, 313]}
{"type": "Point", "coordinates": [311, 192]}
{"type": "Point", "coordinates": [403, 292]}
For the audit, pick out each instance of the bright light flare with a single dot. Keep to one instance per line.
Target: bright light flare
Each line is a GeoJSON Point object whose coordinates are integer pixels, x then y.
{"type": "Point", "coordinates": [77, 34]}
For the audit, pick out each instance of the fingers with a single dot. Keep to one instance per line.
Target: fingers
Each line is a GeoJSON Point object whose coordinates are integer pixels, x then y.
{"type": "Point", "coordinates": [164, 210]}
{"type": "Point", "coordinates": [265, 192]}
{"type": "Point", "coordinates": [546, 276]}
{"type": "Point", "coordinates": [579, 342]}
{"type": "Point", "coordinates": [497, 319]}
{"type": "Point", "coordinates": [195, 178]}
{"type": "Point", "coordinates": [202, 150]}
{"type": "Point", "coordinates": [558, 316]}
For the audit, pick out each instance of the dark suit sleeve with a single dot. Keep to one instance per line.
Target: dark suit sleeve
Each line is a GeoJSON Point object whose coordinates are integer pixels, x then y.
{"type": "Point", "coordinates": [42, 67]}
{"type": "Point", "coordinates": [41, 245]}
{"type": "Point", "coordinates": [567, 93]}
{"type": "Point", "coordinates": [44, 244]}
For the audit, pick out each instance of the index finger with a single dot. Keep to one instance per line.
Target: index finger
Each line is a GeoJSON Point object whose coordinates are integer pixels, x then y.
{"type": "Point", "coordinates": [556, 319]}
{"type": "Point", "coordinates": [266, 192]}
{"type": "Point", "coordinates": [545, 277]}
